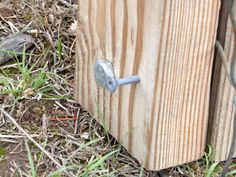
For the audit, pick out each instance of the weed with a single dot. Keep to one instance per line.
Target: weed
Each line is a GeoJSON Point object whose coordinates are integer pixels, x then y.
{"type": "Point", "coordinates": [29, 81]}
{"type": "Point", "coordinates": [141, 172]}
{"type": "Point", "coordinates": [207, 166]}
{"type": "Point", "coordinates": [30, 158]}
{"type": "Point", "coordinates": [3, 152]}
{"type": "Point", "coordinates": [59, 48]}
{"type": "Point", "coordinates": [95, 163]}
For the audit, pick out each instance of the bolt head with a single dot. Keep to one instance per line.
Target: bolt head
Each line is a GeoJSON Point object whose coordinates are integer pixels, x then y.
{"type": "Point", "coordinates": [104, 75]}
{"type": "Point", "coordinates": [111, 84]}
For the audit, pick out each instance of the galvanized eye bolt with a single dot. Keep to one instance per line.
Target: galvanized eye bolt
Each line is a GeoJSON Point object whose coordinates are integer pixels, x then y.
{"type": "Point", "coordinates": [105, 76]}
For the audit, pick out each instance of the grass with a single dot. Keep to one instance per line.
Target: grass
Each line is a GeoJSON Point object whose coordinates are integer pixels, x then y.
{"type": "Point", "coordinates": [30, 158]}
{"type": "Point", "coordinates": [40, 83]}
{"type": "Point", "coordinates": [27, 82]}
{"type": "Point", "coordinates": [207, 166]}
{"type": "Point", "coordinates": [3, 152]}
{"type": "Point", "coordinates": [30, 81]}
{"type": "Point", "coordinates": [83, 170]}
{"type": "Point", "coordinates": [97, 162]}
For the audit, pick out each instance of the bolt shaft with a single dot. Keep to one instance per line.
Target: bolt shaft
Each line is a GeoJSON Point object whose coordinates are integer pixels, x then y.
{"type": "Point", "coordinates": [128, 80]}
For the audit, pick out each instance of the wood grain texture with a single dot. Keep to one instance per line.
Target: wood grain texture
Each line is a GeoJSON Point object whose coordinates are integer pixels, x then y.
{"type": "Point", "coordinates": [170, 44]}
{"type": "Point", "coordinates": [222, 93]}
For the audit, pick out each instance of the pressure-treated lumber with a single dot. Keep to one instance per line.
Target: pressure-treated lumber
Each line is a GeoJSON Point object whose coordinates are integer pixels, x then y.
{"type": "Point", "coordinates": [170, 44]}
{"type": "Point", "coordinates": [222, 93]}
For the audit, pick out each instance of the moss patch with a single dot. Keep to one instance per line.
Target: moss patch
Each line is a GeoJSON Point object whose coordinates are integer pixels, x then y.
{"type": "Point", "coordinates": [3, 151]}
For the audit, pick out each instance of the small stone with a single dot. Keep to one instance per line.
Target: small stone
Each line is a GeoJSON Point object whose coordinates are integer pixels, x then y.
{"type": "Point", "coordinates": [51, 18]}
{"type": "Point", "coordinates": [85, 135]}
{"type": "Point", "coordinates": [73, 27]}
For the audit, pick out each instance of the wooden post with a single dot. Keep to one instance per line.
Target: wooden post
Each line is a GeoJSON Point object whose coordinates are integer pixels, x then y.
{"type": "Point", "coordinates": [222, 93]}
{"type": "Point", "coordinates": [170, 44]}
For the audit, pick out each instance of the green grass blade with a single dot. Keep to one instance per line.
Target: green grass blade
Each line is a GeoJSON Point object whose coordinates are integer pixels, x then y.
{"type": "Point", "coordinates": [13, 91]}
{"type": "Point", "coordinates": [39, 80]}
{"type": "Point", "coordinates": [58, 172]}
{"type": "Point", "coordinates": [31, 163]}
{"type": "Point", "coordinates": [101, 160]}
{"type": "Point", "coordinates": [97, 162]}
{"type": "Point", "coordinates": [41, 154]}
{"type": "Point", "coordinates": [206, 159]}
{"type": "Point", "coordinates": [82, 146]}
{"type": "Point", "coordinates": [13, 53]}
{"type": "Point", "coordinates": [141, 172]}
{"type": "Point", "coordinates": [23, 57]}
{"type": "Point", "coordinates": [94, 141]}
{"type": "Point", "coordinates": [210, 171]}
{"type": "Point", "coordinates": [59, 47]}
{"type": "Point", "coordinates": [233, 172]}
{"type": "Point", "coordinates": [45, 89]}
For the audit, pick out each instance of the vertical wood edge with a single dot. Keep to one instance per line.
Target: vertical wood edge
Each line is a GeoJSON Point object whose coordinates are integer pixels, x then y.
{"type": "Point", "coordinates": [216, 72]}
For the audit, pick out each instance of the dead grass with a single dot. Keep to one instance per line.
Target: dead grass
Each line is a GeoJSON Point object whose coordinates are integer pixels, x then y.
{"type": "Point", "coordinates": [39, 89]}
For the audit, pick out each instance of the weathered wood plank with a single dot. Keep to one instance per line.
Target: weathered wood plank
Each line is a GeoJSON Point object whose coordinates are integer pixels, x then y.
{"type": "Point", "coordinates": [221, 105]}
{"type": "Point", "coordinates": [13, 46]}
{"type": "Point", "coordinates": [170, 44]}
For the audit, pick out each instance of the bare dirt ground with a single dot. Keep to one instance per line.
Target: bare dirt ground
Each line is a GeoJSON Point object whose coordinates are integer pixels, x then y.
{"type": "Point", "coordinates": [36, 90]}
